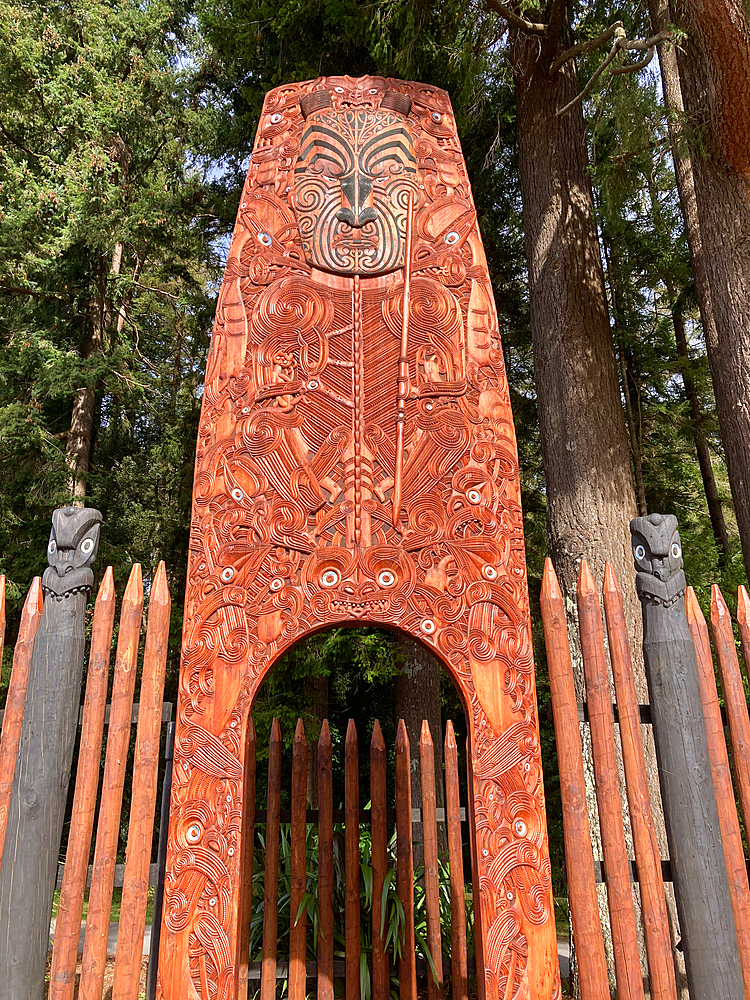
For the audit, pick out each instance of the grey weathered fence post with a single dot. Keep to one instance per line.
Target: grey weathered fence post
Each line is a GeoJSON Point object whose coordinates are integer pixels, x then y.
{"type": "Point", "coordinates": [50, 719]}
{"type": "Point", "coordinates": [696, 854]}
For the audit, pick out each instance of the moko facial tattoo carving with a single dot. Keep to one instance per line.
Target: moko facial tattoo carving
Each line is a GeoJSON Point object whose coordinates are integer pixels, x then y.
{"type": "Point", "coordinates": [352, 177]}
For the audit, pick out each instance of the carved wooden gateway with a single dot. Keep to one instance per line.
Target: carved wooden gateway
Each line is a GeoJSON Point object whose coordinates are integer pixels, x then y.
{"type": "Point", "coordinates": [356, 463]}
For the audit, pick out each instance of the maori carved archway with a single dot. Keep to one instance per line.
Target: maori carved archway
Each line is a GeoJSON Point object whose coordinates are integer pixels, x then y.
{"type": "Point", "coordinates": [356, 462]}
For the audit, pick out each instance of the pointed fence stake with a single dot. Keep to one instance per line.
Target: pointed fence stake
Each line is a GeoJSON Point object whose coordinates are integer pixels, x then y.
{"type": "Point", "coordinates": [325, 864]}
{"type": "Point", "coordinates": [617, 869]}
{"type": "Point", "coordinates": [653, 901]}
{"type": "Point", "coordinates": [113, 782]}
{"type": "Point", "coordinates": [579, 860]}
{"type": "Point", "coordinates": [16, 698]}
{"type": "Point", "coordinates": [351, 862]}
{"type": "Point", "coordinates": [70, 906]}
{"type": "Point", "coordinates": [459, 956]}
{"type": "Point", "coordinates": [717, 748]}
{"type": "Point", "coordinates": [127, 975]}
{"type": "Point", "coordinates": [271, 890]}
{"type": "Point", "coordinates": [298, 837]}
{"type": "Point", "coordinates": [407, 970]}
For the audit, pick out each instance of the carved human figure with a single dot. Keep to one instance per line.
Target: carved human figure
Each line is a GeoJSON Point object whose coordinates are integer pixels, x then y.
{"type": "Point", "coordinates": [50, 720]}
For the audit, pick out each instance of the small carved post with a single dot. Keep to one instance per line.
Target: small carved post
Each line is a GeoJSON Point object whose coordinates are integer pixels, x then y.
{"type": "Point", "coordinates": [697, 857]}
{"type": "Point", "coordinates": [40, 787]}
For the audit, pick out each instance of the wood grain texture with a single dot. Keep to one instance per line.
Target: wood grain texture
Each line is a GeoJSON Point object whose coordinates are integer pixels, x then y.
{"type": "Point", "coordinates": [70, 905]}
{"type": "Point", "coordinates": [325, 865]}
{"type": "Point", "coordinates": [248, 861]}
{"type": "Point", "coordinates": [31, 615]}
{"type": "Point", "coordinates": [431, 885]}
{"type": "Point", "coordinates": [297, 912]}
{"type": "Point", "coordinates": [379, 830]}
{"type": "Point", "coordinates": [113, 783]}
{"type": "Point", "coordinates": [295, 525]}
{"type": "Point", "coordinates": [271, 883]}
{"type": "Point", "coordinates": [614, 850]}
{"type": "Point", "coordinates": [351, 862]}
{"type": "Point", "coordinates": [579, 860]}
{"type": "Point", "coordinates": [731, 836]}
{"type": "Point", "coordinates": [127, 976]}
{"type": "Point", "coordinates": [653, 901]}
{"type": "Point", "coordinates": [459, 972]}
{"type": "Point", "coordinates": [407, 969]}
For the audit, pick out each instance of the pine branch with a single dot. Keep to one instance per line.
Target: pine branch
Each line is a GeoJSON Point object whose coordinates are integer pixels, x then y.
{"type": "Point", "coordinates": [582, 48]}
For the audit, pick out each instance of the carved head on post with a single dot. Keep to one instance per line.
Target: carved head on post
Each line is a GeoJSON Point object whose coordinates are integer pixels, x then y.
{"type": "Point", "coordinates": [73, 544]}
{"type": "Point", "coordinates": [354, 171]}
{"type": "Point", "coordinates": [657, 552]}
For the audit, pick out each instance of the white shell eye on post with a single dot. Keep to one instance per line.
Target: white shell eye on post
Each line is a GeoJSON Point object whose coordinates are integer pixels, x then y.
{"type": "Point", "coordinates": [639, 551]}
{"type": "Point", "coordinates": [87, 545]}
{"type": "Point", "coordinates": [227, 574]}
{"type": "Point", "coordinates": [386, 578]}
{"type": "Point", "coordinates": [676, 550]}
{"type": "Point", "coordinates": [330, 578]}
{"type": "Point", "coordinates": [52, 547]}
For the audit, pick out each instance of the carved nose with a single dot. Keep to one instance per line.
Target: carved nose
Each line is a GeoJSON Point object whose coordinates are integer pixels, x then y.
{"type": "Point", "coordinates": [356, 200]}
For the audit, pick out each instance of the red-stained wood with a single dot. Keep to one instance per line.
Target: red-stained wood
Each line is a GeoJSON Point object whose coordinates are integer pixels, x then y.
{"type": "Point", "coordinates": [325, 864]}
{"type": "Point", "coordinates": [248, 859]}
{"type": "Point", "coordinates": [351, 862]}
{"type": "Point", "coordinates": [271, 887]}
{"type": "Point", "coordinates": [70, 906]}
{"type": "Point", "coordinates": [459, 955]}
{"type": "Point", "coordinates": [31, 615]}
{"type": "Point", "coordinates": [113, 783]}
{"type": "Point", "coordinates": [653, 902]}
{"type": "Point", "coordinates": [579, 860]}
{"type": "Point", "coordinates": [2, 615]}
{"type": "Point", "coordinates": [735, 700]}
{"type": "Point", "coordinates": [127, 976]}
{"type": "Point", "coordinates": [431, 884]}
{"type": "Point", "coordinates": [407, 970]}
{"type": "Point", "coordinates": [616, 867]}
{"type": "Point", "coordinates": [731, 836]}
{"type": "Point", "coordinates": [379, 828]}
{"type": "Point", "coordinates": [297, 916]}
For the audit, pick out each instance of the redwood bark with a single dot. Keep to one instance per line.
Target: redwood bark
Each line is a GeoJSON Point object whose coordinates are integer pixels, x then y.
{"type": "Point", "coordinates": [714, 72]}
{"type": "Point", "coordinates": [590, 497]}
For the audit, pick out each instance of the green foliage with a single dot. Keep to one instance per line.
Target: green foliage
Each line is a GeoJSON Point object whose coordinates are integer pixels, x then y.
{"type": "Point", "coordinates": [389, 907]}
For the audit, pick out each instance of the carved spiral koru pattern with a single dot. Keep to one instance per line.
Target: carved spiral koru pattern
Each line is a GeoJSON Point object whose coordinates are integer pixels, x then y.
{"type": "Point", "coordinates": [294, 525]}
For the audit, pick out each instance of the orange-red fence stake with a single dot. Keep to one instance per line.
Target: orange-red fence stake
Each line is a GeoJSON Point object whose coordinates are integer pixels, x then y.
{"type": "Point", "coordinates": [459, 968]}
{"type": "Point", "coordinates": [379, 827]}
{"type": "Point", "coordinates": [113, 782]}
{"type": "Point", "coordinates": [271, 890]}
{"type": "Point", "coordinates": [351, 862]}
{"type": "Point", "coordinates": [431, 883]}
{"type": "Point", "coordinates": [248, 860]}
{"type": "Point", "coordinates": [407, 970]}
{"type": "Point", "coordinates": [325, 864]}
{"type": "Point", "coordinates": [579, 860]}
{"type": "Point", "coordinates": [648, 858]}
{"type": "Point", "coordinates": [616, 867]}
{"type": "Point", "coordinates": [725, 802]}
{"type": "Point", "coordinates": [298, 874]}
{"type": "Point", "coordinates": [127, 975]}
{"type": "Point", "coordinates": [16, 699]}
{"type": "Point", "coordinates": [70, 906]}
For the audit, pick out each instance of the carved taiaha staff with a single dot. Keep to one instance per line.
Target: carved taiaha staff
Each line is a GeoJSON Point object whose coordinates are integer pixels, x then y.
{"type": "Point", "coordinates": [403, 368]}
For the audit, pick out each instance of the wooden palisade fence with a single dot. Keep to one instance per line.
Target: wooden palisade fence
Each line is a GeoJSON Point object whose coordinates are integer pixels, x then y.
{"type": "Point", "coordinates": [649, 870]}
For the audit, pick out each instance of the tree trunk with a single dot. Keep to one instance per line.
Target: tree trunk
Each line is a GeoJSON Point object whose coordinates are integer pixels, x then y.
{"type": "Point", "coordinates": [713, 500]}
{"type": "Point", "coordinates": [418, 698]}
{"type": "Point", "coordinates": [590, 498]}
{"type": "Point", "coordinates": [316, 692]}
{"type": "Point", "coordinates": [714, 72]}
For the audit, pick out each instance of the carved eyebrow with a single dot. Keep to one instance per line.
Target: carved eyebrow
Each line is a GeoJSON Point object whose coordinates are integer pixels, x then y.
{"type": "Point", "coordinates": [318, 138]}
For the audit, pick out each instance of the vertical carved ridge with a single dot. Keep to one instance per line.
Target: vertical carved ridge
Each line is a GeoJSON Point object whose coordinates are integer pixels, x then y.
{"type": "Point", "coordinates": [403, 368]}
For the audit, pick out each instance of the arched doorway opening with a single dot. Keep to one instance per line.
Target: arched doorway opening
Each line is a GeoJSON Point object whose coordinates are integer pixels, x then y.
{"type": "Point", "coordinates": [330, 706]}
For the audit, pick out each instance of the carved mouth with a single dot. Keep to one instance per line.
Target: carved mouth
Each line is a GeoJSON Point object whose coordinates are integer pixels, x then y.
{"type": "Point", "coordinates": [359, 608]}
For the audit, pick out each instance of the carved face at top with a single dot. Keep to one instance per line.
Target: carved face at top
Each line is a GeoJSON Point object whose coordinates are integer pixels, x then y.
{"type": "Point", "coordinates": [658, 558]}
{"type": "Point", "coordinates": [73, 544]}
{"type": "Point", "coordinates": [354, 171]}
